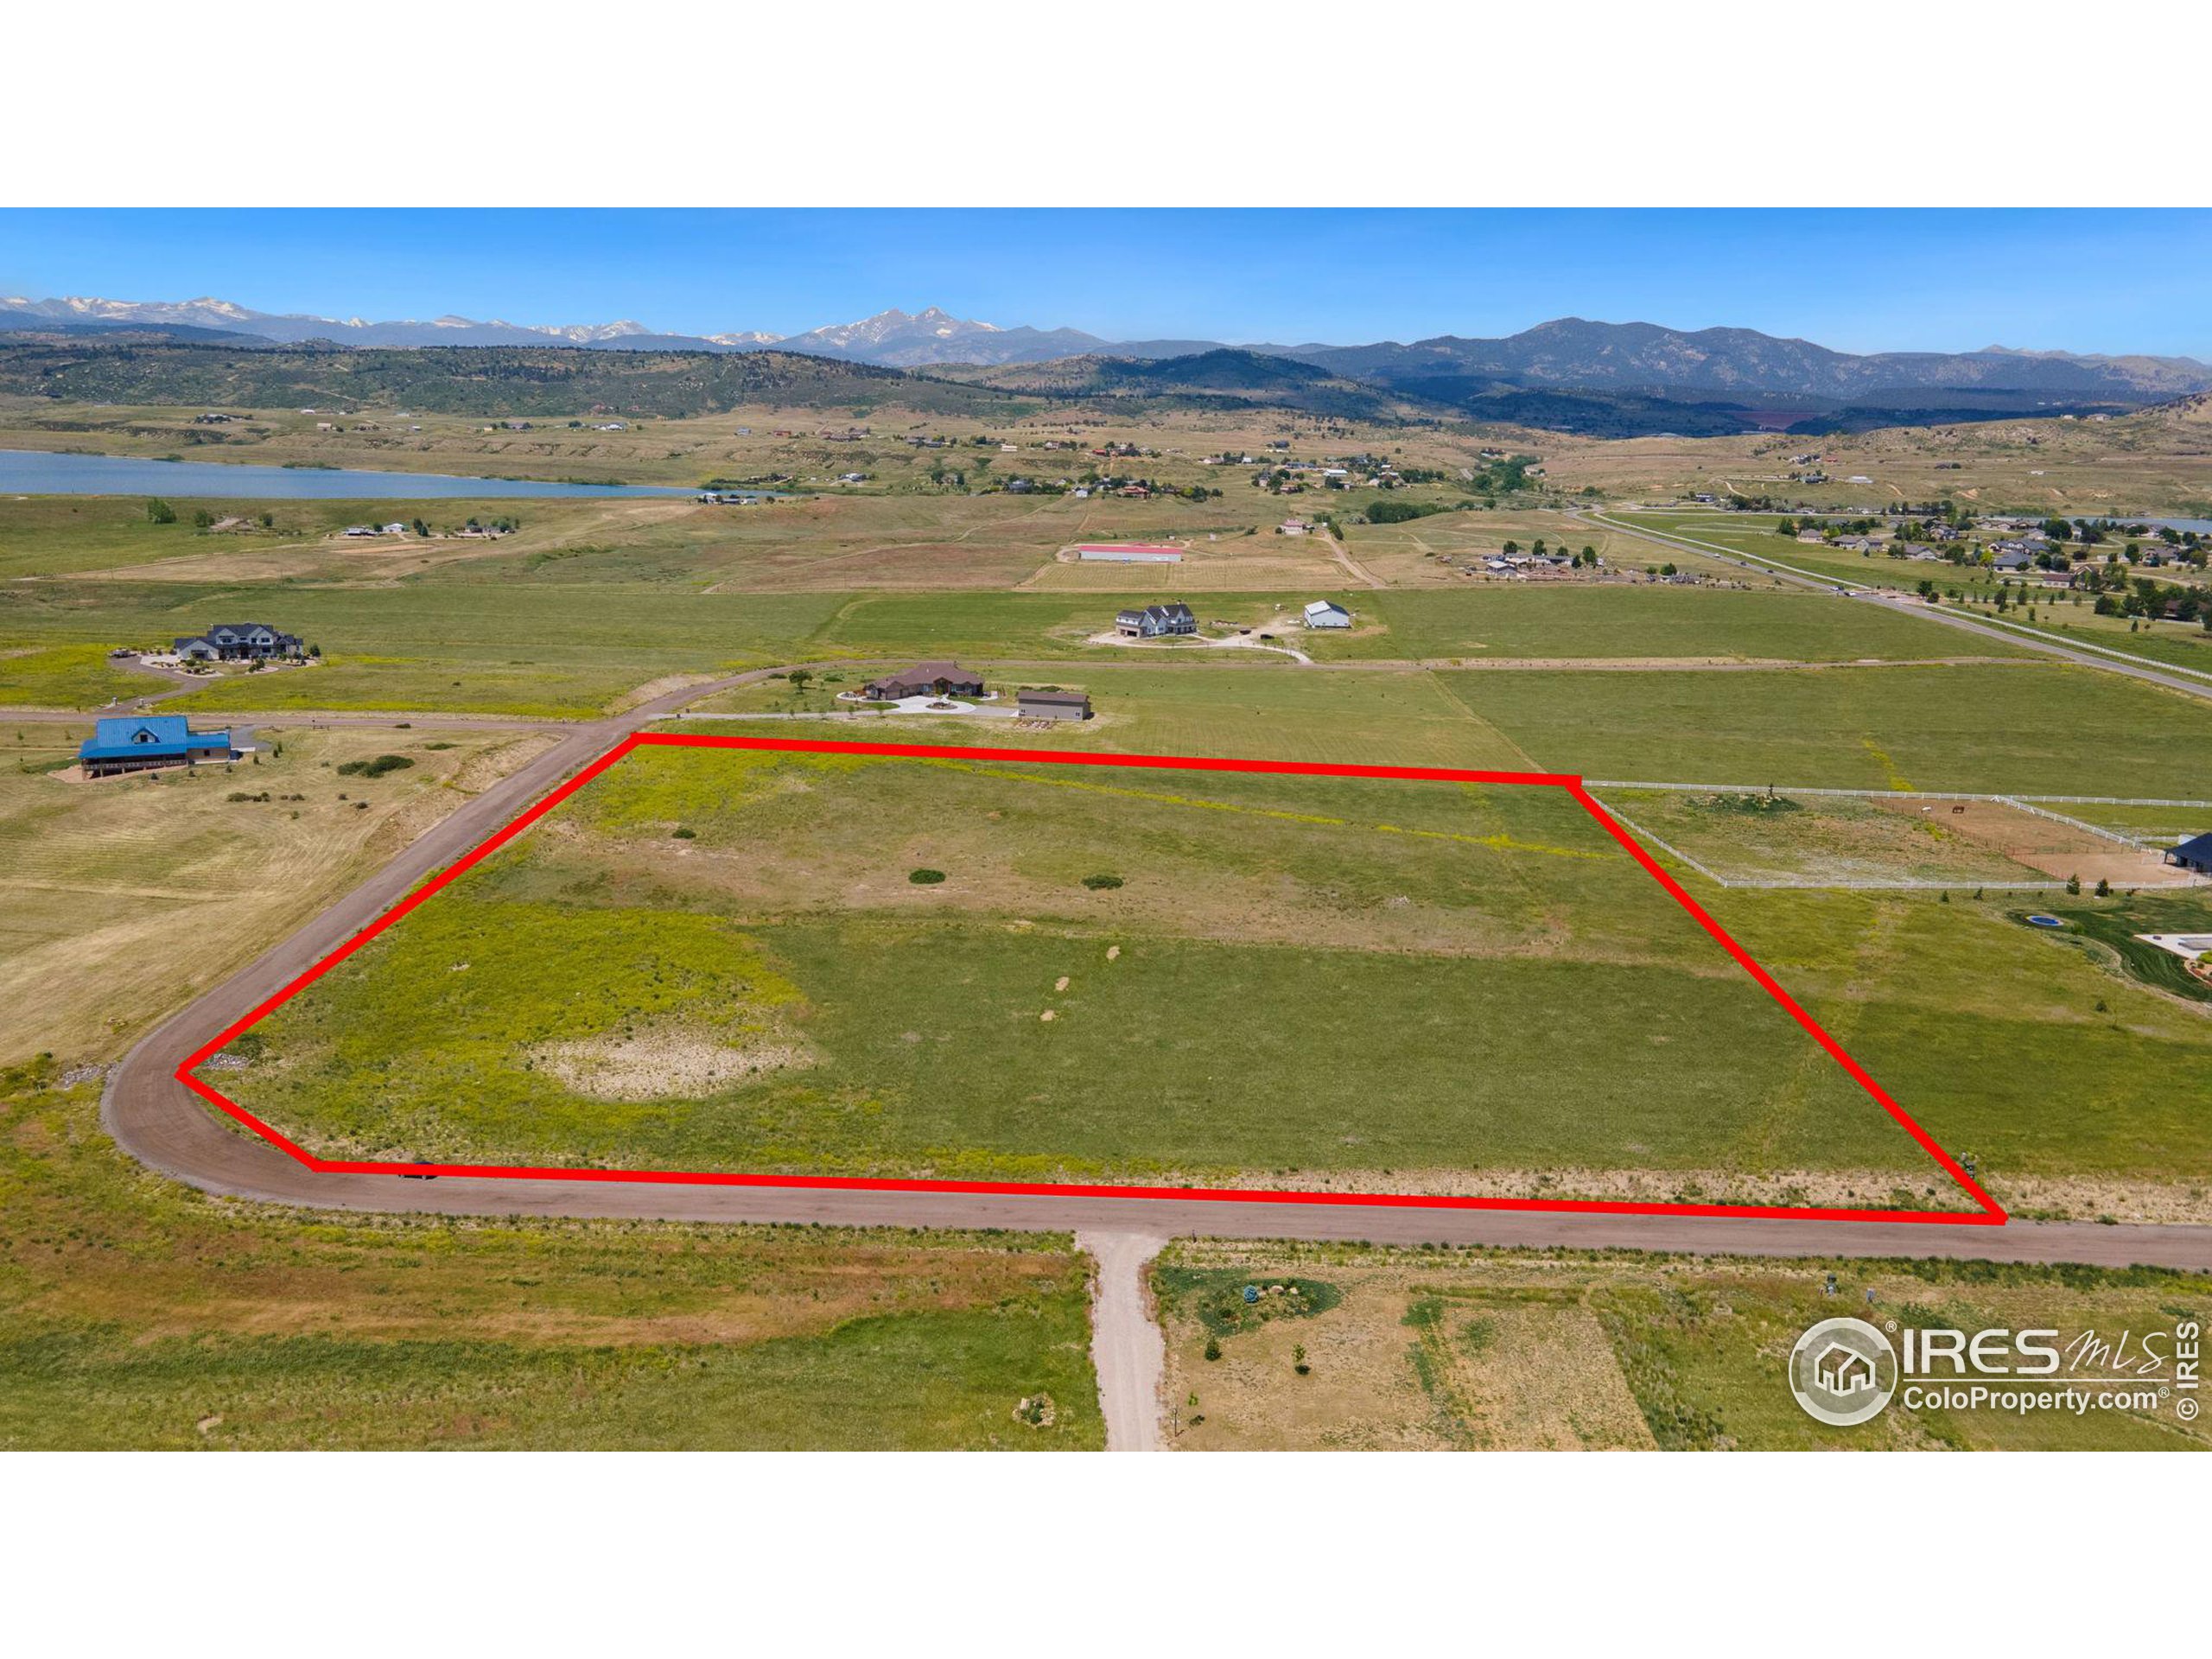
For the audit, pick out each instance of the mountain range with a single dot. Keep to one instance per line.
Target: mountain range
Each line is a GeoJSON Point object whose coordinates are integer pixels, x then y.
{"type": "Point", "coordinates": [1601, 378]}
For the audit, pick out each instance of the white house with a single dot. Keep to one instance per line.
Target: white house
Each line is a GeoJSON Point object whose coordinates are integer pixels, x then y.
{"type": "Point", "coordinates": [1326, 613]}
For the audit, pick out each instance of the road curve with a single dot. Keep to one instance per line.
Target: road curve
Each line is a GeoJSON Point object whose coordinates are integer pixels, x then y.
{"type": "Point", "coordinates": [159, 1122]}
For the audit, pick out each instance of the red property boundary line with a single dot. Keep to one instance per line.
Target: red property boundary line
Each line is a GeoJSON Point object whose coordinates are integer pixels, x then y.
{"type": "Point", "coordinates": [1989, 1213]}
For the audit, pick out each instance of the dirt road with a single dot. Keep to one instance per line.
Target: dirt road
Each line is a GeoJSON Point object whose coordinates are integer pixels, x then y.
{"type": "Point", "coordinates": [1126, 1348]}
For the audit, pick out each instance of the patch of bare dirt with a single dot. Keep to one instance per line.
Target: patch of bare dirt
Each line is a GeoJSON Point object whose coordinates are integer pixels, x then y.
{"type": "Point", "coordinates": [665, 1066]}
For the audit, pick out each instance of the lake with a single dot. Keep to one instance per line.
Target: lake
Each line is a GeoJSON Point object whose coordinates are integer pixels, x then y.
{"type": "Point", "coordinates": [26, 472]}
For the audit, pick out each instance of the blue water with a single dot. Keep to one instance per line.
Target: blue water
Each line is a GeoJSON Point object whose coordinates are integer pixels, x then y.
{"type": "Point", "coordinates": [24, 472]}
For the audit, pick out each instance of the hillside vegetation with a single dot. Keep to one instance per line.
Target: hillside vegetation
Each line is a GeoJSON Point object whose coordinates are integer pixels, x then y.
{"type": "Point", "coordinates": [494, 380]}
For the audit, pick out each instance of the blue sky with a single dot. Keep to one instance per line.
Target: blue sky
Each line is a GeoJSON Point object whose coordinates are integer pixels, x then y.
{"type": "Point", "coordinates": [1931, 279]}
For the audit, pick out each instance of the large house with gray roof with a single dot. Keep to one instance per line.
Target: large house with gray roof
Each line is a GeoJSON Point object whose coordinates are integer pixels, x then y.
{"type": "Point", "coordinates": [238, 642]}
{"type": "Point", "coordinates": [1155, 621]}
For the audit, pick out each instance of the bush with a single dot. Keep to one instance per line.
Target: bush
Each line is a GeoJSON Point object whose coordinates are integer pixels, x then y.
{"type": "Point", "coordinates": [926, 878]}
{"type": "Point", "coordinates": [685, 832]}
{"type": "Point", "coordinates": [376, 768]}
{"type": "Point", "coordinates": [1101, 883]}
{"type": "Point", "coordinates": [1213, 1348]}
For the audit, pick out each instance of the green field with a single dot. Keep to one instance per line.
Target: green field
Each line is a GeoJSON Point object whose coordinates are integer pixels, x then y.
{"type": "Point", "coordinates": [1653, 621]}
{"type": "Point", "coordinates": [1541, 1003]}
{"type": "Point", "coordinates": [2067, 617]}
{"type": "Point", "coordinates": [136, 1313]}
{"type": "Point", "coordinates": [2033, 729]}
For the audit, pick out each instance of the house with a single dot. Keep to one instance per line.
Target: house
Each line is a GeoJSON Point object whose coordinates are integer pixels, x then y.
{"type": "Point", "coordinates": [2011, 558]}
{"type": "Point", "coordinates": [1033, 704]}
{"type": "Point", "coordinates": [394, 530]}
{"type": "Point", "coordinates": [1155, 621]}
{"type": "Point", "coordinates": [2194, 854]}
{"type": "Point", "coordinates": [236, 642]}
{"type": "Point", "coordinates": [935, 679]}
{"type": "Point", "coordinates": [1327, 613]}
{"type": "Point", "coordinates": [1294, 527]}
{"type": "Point", "coordinates": [145, 743]}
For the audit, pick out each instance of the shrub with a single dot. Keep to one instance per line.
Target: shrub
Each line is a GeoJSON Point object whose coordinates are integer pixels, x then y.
{"type": "Point", "coordinates": [1213, 1348]}
{"type": "Point", "coordinates": [376, 768]}
{"type": "Point", "coordinates": [926, 878]}
{"type": "Point", "coordinates": [685, 832]}
{"type": "Point", "coordinates": [1101, 883]}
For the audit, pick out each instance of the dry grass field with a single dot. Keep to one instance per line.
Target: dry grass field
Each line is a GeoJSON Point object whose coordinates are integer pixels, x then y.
{"type": "Point", "coordinates": [121, 899]}
{"type": "Point", "coordinates": [1824, 841]}
{"type": "Point", "coordinates": [1496, 1350]}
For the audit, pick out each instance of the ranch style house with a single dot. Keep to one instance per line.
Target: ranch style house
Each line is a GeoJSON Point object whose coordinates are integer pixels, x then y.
{"type": "Point", "coordinates": [926, 680]}
{"type": "Point", "coordinates": [150, 741]}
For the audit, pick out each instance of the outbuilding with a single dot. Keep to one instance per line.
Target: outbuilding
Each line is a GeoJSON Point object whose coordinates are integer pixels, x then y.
{"type": "Point", "coordinates": [1039, 704]}
{"type": "Point", "coordinates": [2194, 854]}
{"type": "Point", "coordinates": [1327, 613]}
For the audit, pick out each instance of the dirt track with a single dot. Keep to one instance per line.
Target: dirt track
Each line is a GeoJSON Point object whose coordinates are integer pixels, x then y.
{"type": "Point", "coordinates": [159, 1122]}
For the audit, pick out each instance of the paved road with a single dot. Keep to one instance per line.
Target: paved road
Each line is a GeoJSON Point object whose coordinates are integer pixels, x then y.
{"type": "Point", "coordinates": [1128, 1350]}
{"type": "Point", "coordinates": [157, 1120]}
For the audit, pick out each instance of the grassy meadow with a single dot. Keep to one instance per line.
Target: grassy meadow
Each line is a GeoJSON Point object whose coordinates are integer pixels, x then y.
{"type": "Point", "coordinates": [138, 1314]}
{"type": "Point", "coordinates": [1138, 974]}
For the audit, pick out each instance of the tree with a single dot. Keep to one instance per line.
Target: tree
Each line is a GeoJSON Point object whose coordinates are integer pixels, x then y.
{"type": "Point", "coordinates": [159, 512]}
